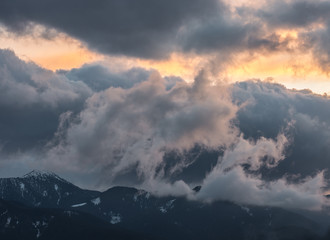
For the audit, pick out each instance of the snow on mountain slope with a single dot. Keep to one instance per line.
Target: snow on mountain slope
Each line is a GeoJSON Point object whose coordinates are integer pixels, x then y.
{"type": "Point", "coordinates": [42, 189]}
{"type": "Point", "coordinates": [165, 217]}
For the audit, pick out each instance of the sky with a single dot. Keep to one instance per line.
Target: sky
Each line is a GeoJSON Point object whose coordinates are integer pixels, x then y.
{"type": "Point", "coordinates": [167, 95]}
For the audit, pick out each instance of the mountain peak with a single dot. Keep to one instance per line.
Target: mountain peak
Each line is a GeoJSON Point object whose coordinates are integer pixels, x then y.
{"type": "Point", "coordinates": [38, 173]}
{"type": "Point", "coordinates": [43, 175]}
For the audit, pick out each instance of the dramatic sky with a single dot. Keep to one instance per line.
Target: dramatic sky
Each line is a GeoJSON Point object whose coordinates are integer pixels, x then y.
{"type": "Point", "coordinates": [167, 95]}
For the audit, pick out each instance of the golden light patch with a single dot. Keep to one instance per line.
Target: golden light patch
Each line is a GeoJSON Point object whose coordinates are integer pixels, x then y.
{"type": "Point", "coordinates": [293, 72]}
{"type": "Point", "coordinates": [62, 52]}
{"type": "Point", "coordinates": [66, 60]}
{"type": "Point", "coordinates": [285, 33]}
{"type": "Point", "coordinates": [178, 65]}
{"type": "Point", "coordinates": [249, 3]}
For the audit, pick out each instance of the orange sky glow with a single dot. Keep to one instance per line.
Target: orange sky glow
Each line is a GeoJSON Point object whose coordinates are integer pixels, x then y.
{"type": "Point", "coordinates": [64, 52]}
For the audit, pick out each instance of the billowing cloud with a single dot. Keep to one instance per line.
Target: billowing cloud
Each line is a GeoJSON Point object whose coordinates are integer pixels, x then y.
{"type": "Point", "coordinates": [123, 129]}
{"type": "Point", "coordinates": [235, 185]}
{"type": "Point", "coordinates": [272, 107]}
{"type": "Point", "coordinates": [229, 181]}
{"type": "Point", "coordinates": [31, 100]}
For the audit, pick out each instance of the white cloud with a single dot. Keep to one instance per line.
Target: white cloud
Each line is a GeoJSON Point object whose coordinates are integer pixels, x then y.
{"type": "Point", "coordinates": [229, 181]}
{"type": "Point", "coordinates": [121, 129]}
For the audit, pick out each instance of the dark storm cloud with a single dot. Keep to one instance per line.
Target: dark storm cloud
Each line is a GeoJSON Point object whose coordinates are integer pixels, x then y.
{"type": "Point", "coordinates": [271, 108]}
{"type": "Point", "coordinates": [31, 100]}
{"type": "Point", "coordinates": [223, 35]}
{"type": "Point", "coordinates": [309, 18]}
{"type": "Point", "coordinates": [214, 34]}
{"type": "Point", "coordinates": [318, 42]}
{"type": "Point", "coordinates": [252, 30]}
{"type": "Point", "coordinates": [268, 109]}
{"type": "Point", "coordinates": [292, 14]}
{"type": "Point", "coordinates": [144, 28]}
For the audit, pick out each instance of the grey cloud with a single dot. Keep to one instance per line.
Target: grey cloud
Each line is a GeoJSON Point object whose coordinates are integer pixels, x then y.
{"type": "Point", "coordinates": [292, 14]}
{"type": "Point", "coordinates": [266, 110]}
{"type": "Point", "coordinates": [155, 29]}
{"type": "Point", "coordinates": [226, 36]}
{"type": "Point", "coordinates": [130, 132]}
{"type": "Point", "coordinates": [214, 34]}
{"type": "Point", "coordinates": [255, 31]}
{"type": "Point", "coordinates": [156, 135]}
{"type": "Point", "coordinates": [237, 186]}
{"type": "Point", "coordinates": [195, 164]}
{"type": "Point", "coordinates": [31, 100]}
{"type": "Point", "coordinates": [309, 18]}
{"type": "Point", "coordinates": [318, 42]}
{"type": "Point", "coordinates": [120, 130]}
{"type": "Point", "coordinates": [272, 107]}
{"type": "Point", "coordinates": [100, 78]}
{"type": "Point", "coordinates": [229, 181]}
{"type": "Point", "coordinates": [144, 28]}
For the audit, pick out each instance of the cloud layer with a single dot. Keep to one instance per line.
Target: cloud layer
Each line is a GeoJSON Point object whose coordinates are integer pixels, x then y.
{"type": "Point", "coordinates": [155, 29]}
{"type": "Point", "coordinates": [122, 129]}
{"type": "Point", "coordinates": [251, 142]}
{"type": "Point", "coordinates": [272, 107]}
{"type": "Point", "coordinates": [144, 29]}
{"type": "Point", "coordinates": [31, 100]}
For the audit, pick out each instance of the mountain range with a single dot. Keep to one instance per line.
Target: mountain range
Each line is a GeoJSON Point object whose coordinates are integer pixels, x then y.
{"type": "Point", "coordinates": [42, 205]}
